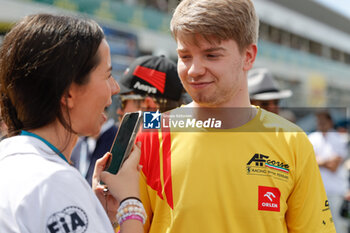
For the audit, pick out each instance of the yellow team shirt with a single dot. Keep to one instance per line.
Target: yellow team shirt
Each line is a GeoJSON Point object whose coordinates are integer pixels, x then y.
{"type": "Point", "coordinates": [261, 177]}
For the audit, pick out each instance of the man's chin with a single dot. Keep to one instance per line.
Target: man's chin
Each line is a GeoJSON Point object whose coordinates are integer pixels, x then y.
{"type": "Point", "coordinates": [205, 101]}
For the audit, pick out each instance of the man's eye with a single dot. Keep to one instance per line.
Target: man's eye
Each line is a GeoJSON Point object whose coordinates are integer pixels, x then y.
{"type": "Point", "coordinates": [212, 55]}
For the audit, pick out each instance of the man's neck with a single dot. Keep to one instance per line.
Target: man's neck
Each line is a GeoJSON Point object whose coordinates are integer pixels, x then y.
{"type": "Point", "coordinates": [231, 117]}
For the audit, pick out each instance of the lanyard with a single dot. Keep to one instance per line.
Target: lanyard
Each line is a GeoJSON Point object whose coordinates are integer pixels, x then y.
{"type": "Point", "coordinates": [26, 133]}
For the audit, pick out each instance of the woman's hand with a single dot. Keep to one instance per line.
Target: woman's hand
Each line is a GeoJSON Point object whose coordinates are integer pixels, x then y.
{"type": "Point", "coordinates": [120, 186]}
{"type": "Point", "coordinates": [126, 182]}
{"type": "Point", "coordinates": [109, 203]}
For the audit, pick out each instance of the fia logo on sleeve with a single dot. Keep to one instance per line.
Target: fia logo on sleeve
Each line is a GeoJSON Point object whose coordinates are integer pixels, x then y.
{"type": "Point", "coordinates": [70, 219]}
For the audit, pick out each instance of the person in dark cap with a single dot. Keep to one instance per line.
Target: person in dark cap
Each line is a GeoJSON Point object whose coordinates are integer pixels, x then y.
{"type": "Point", "coordinates": [264, 91]}
{"type": "Point", "coordinates": [150, 83]}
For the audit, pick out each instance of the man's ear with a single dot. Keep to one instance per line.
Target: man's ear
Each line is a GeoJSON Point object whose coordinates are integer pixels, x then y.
{"type": "Point", "coordinates": [150, 104]}
{"type": "Point", "coordinates": [250, 55]}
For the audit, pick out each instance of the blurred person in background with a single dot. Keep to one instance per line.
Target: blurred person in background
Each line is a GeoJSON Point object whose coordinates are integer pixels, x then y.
{"type": "Point", "coordinates": [150, 83]}
{"type": "Point", "coordinates": [89, 149]}
{"type": "Point", "coordinates": [265, 92]}
{"type": "Point", "coordinates": [330, 151]}
{"type": "Point", "coordinates": [256, 172]}
{"type": "Point", "coordinates": [342, 128]}
{"type": "Point", "coordinates": [55, 79]}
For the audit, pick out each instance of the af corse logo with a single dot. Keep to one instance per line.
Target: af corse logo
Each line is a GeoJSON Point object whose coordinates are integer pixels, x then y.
{"type": "Point", "coordinates": [151, 120]}
{"type": "Point", "coordinates": [261, 160]}
{"type": "Point", "coordinates": [70, 219]}
{"type": "Point", "coordinates": [269, 198]}
{"type": "Point", "coordinates": [258, 159]}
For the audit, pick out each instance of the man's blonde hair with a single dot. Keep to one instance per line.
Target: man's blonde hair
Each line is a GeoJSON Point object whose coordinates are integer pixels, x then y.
{"type": "Point", "coordinates": [219, 19]}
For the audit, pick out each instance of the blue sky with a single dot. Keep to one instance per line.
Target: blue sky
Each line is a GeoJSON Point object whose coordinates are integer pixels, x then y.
{"type": "Point", "coordinates": [342, 6]}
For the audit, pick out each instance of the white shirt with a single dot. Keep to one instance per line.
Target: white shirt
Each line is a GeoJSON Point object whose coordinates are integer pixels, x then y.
{"type": "Point", "coordinates": [325, 147]}
{"type": "Point", "coordinates": [42, 193]}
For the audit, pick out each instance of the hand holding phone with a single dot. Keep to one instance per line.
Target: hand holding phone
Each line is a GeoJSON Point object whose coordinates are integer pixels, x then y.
{"type": "Point", "coordinates": [124, 140]}
{"type": "Point", "coordinates": [121, 185]}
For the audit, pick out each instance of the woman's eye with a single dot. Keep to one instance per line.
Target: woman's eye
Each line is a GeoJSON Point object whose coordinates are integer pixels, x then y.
{"type": "Point", "coordinates": [184, 56]}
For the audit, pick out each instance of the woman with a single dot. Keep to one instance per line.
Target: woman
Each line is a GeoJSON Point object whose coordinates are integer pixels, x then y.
{"type": "Point", "coordinates": [56, 81]}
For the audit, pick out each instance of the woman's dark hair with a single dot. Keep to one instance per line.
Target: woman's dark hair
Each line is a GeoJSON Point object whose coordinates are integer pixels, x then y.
{"type": "Point", "coordinates": [41, 56]}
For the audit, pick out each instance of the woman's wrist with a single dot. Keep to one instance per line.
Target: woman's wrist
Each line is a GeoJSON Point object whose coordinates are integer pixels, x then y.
{"type": "Point", "coordinates": [131, 208]}
{"type": "Point", "coordinates": [129, 198]}
{"type": "Point", "coordinates": [125, 195]}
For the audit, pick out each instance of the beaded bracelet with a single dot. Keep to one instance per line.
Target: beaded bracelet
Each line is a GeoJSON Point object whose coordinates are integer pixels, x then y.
{"type": "Point", "coordinates": [138, 216]}
{"type": "Point", "coordinates": [131, 208]}
{"type": "Point", "coordinates": [132, 202]}
{"type": "Point", "coordinates": [129, 211]}
{"type": "Point", "coordinates": [132, 216]}
{"type": "Point", "coordinates": [129, 198]}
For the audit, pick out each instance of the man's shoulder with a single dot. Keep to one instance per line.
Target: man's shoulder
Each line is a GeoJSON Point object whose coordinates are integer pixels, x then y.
{"type": "Point", "coordinates": [270, 121]}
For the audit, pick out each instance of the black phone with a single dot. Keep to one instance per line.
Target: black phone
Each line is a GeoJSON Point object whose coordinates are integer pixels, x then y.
{"type": "Point", "coordinates": [124, 140]}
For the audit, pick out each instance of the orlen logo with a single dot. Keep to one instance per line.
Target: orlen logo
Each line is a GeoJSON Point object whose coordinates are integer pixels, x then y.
{"type": "Point", "coordinates": [269, 198]}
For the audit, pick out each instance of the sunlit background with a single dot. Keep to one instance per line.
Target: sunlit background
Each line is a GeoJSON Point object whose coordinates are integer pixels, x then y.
{"type": "Point", "coordinates": [305, 43]}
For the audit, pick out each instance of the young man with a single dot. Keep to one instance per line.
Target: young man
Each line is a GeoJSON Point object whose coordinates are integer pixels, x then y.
{"type": "Point", "coordinates": [258, 172]}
